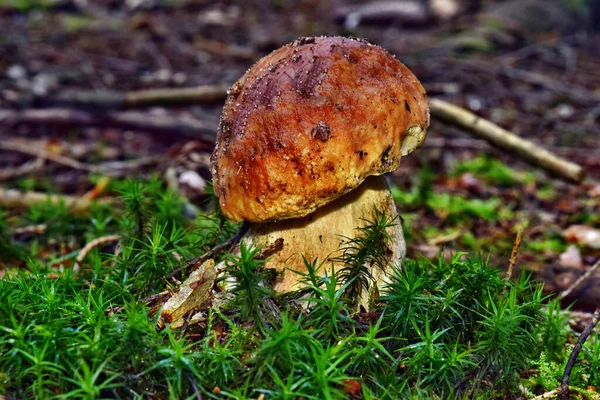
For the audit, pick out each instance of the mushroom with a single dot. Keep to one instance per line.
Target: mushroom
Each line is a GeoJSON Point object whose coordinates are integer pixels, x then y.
{"type": "Point", "coordinates": [304, 140]}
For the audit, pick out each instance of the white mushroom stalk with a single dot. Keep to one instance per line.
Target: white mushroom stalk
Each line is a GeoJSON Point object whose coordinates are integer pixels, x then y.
{"type": "Point", "coordinates": [322, 235]}
{"type": "Point", "coordinates": [305, 137]}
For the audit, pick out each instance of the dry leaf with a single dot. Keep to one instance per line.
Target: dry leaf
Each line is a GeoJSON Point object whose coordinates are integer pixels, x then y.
{"type": "Point", "coordinates": [584, 235]}
{"type": "Point", "coordinates": [192, 294]}
{"type": "Point", "coordinates": [571, 257]}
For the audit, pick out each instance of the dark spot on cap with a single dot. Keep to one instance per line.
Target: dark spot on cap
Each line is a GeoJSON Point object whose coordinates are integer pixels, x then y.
{"type": "Point", "coordinates": [406, 106]}
{"type": "Point", "coordinates": [303, 40]}
{"type": "Point", "coordinates": [321, 131]}
{"type": "Point", "coordinates": [360, 153]}
{"type": "Point", "coordinates": [235, 90]}
{"type": "Point", "coordinates": [385, 157]}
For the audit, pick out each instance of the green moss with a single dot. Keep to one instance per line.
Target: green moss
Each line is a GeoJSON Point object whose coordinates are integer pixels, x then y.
{"type": "Point", "coordinates": [438, 330]}
{"type": "Point", "coordinates": [492, 171]}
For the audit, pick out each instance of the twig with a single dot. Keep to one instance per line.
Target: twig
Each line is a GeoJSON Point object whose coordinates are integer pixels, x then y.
{"type": "Point", "coordinates": [579, 281]}
{"type": "Point", "coordinates": [44, 154]}
{"type": "Point", "coordinates": [30, 230]}
{"type": "Point", "coordinates": [504, 139]}
{"type": "Point", "coordinates": [580, 153]}
{"type": "Point", "coordinates": [10, 198]}
{"type": "Point", "coordinates": [90, 246]}
{"type": "Point", "coordinates": [148, 300]}
{"type": "Point", "coordinates": [131, 120]}
{"type": "Point", "coordinates": [113, 168]}
{"type": "Point", "coordinates": [193, 384]}
{"type": "Point", "coordinates": [21, 170]}
{"type": "Point", "coordinates": [513, 256]}
{"type": "Point", "coordinates": [171, 97]}
{"type": "Point", "coordinates": [225, 49]}
{"type": "Point", "coordinates": [576, 93]}
{"type": "Point", "coordinates": [564, 387]}
{"type": "Point", "coordinates": [548, 395]}
{"type": "Point", "coordinates": [212, 252]}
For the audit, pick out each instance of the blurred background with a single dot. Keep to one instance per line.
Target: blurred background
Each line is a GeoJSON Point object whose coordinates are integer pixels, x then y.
{"type": "Point", "coordinates": [531, 66]}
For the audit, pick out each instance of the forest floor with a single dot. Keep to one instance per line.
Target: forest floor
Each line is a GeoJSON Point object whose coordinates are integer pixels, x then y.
{"type": "Point", "coordinates": [543, 87]}
{"type": "Point", "coordinates": [456, 194]}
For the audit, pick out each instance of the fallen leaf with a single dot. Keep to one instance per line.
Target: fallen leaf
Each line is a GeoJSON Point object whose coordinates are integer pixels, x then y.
{"type": "Point", "coordinates": [191, 294]}
{"type": "Point", "coordinates": [571, 257]}
{"type": "Point", "coordinates": [352, 387]}
{"type": "Point", "coordinates": [584, 235]}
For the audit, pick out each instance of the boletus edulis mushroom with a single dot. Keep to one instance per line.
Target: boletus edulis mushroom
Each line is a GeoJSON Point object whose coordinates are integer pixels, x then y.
{"type": "Point", "coordinates": [304, 140]}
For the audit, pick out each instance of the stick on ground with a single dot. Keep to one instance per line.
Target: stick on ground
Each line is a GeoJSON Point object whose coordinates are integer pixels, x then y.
{"type": "Point", "coordinates": [90, 246]}
{"type": "Point", "coordinates": [132, 120]}
{"type": "Point", "coordinates": [442, 110]}
{"type": "Point", "coordinates": [564, 387]}
{"type": "Point", "coordinates": [579, 281]}
{"type": "Point", "coordinates": [10, 198]}
{"type": "Point", "coordinates": [172, 97]}
{"type": "Point", "coordinates": [505, 140]}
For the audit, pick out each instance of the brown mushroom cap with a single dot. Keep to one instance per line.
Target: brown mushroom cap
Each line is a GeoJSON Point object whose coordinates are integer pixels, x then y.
{"type": "Point", "coordinates": [309, 122]}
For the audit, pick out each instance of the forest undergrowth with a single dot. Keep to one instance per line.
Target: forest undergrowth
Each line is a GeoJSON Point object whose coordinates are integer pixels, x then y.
{"type": "Point", "coordinates": [442, 329]}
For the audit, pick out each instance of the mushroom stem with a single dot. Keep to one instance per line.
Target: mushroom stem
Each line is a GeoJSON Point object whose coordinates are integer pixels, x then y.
{"type": "Point", "coordinates": [321, 235]}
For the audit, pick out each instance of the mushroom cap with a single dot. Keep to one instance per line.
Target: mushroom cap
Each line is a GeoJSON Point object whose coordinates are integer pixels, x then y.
{"type": "Point", "coordinates": [309, 122]}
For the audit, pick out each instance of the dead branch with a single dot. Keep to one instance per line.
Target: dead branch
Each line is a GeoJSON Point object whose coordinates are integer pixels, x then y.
{"type": "Point", "coordinates": [41, 153]}
{"type": "Point", "coordinates": [505, 140]}
{"type": "Point", "coordinates": [580, 280]}
{"type": "Point", "coordinates": [90, 246]}
{"type": "Point", "coordinates": [108, 100]}
{"type": "Point", "coordinates": [30, 230]}
{"type": "Point", "coordinates": [23, 169]}
{"type": "Point", "coordinates": [585, 155]}
{"type": "Point", "coordinates": [577, 94]}
{"type": "Point", "coordinates": [113, 168]}
{"type": "Point", "coordinates": [564, 387]}
{"type": "Point", "coordinates": [440, 109]}
{"type": "Point", "coordinates": [130, 120]}
{"type": "Point", "coordinates": [548, 395]}
{"type": "Point", "coordinates": [10, 198]}
{"type": "Point", "coordinates": [225, 49]}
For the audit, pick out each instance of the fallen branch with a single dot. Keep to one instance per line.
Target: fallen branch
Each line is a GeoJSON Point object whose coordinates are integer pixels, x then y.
{"type": "Point", "coordinates": [30, 230]}
{"type": "Point", "coordinates": [505, 140]}
{"type": "Point", "coordinates": [45, 155]}
{"type": "Point", "coordinates": [10, 198]}
{"type": "Point", "coordinates": [112, 168]}
{"type": "Point", "coordinates": [577, 94]}
{"type": "Point", "coordinates": [210, 94]}
{"type": "Point", "coordinates": [584, 155]}
{"type": "Point", "coordinates": [564, 387]}
{"type": "Point", "coordinates": [90, 246]}
{"type": "Point", "coordinates": [130, 120]}
{"type": "Point", "coordinates": [580, 280]}
{"type": "Point", "coordinates": [548, 395]}
{"type": "Point", "coordinates": [440, 109]}
{"type": "Point", "coordinates": [23, 169]}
